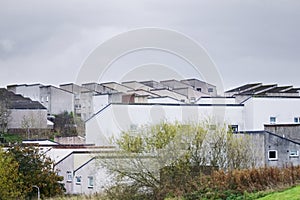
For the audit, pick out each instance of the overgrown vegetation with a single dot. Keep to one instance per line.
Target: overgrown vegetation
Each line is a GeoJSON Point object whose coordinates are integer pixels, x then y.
{"type": "Point", "coordinates": [154, 161]}
{"type": "Point", "coordinates": [67, 124]}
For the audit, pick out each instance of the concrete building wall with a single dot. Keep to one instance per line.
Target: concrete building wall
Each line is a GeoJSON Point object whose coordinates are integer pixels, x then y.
{"type": "Point", "coordinates": [114, 119]}
{"type": "Point", "coordinates": [258, 111]}
{"type": "Point", "coordinates": [290, 131]}
{"type": "Point", "coordinates": [175, 84]}
{"type": "Point", "coordinates": [30, 91]}
{"type": "Point", "coordinates": [66, 168]}
{"type": "Point", "coordinates": [137, 86]}
{"type": "Point", "coordinates": [36, 117]}
{"type": "Point", "coordinates": [171, 94]}
{"type": "Point", "coordinates": [216, 100]}
{"type": "Point", "coordinates": [201, 86]}
{"type": "Point", "coordinates": [101, 178]}
{"type": "Point", "coordinates": [166, 100]}
{"type": "Point", "coordinates": [283, 148]}
{"type": "Point", "coordinates": [56, 100]}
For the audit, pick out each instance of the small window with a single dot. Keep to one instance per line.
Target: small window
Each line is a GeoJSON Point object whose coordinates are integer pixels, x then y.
{"type": "Point", "coordinates": [294, 153]}
{"type": "Point", "coordinates": [234, 128]}
{"type": "Point", "coordinates": [199, 89]}
{"type": "Point", "coordinates": [69, 176]}
{"type": "Point", "coordinates": [272, 155]}
{"type": "Point", "coordinates": [47, 98]}
{"type": "Point", "coordinates": [133, 127]}
{"type": "Point", "coordinates": [42, 99]}
{"type": "Point", "coordinates": [272, 120]}
{"type": "Point", "coordinates": [78, 180]}
{"type": "Point", "coordinates": [210, 90]}
{"type": "Point", "coordinates": [297, 119]}
{"type": "Point", "coordinates": [90, 181]}
{"type": "Point", "coordinates": [212, 127]}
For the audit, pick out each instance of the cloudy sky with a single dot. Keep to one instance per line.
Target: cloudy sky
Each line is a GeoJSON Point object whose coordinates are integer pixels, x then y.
{"type": "Point", "coordinates": [249, 41]}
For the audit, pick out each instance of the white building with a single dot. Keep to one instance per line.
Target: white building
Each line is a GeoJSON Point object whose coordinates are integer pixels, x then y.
{"type": "Point", "coordinates": [243, 111]}
{"type": "Point", "coordinates": [115, 118]}
{"type": "Point", "coordinates": [56, 100]}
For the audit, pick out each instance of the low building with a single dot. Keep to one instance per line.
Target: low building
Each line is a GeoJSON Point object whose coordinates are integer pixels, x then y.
{"type": "Point", "coordinates": [23, 113]}
{"type": "Point", "coordinates": [56, 100]}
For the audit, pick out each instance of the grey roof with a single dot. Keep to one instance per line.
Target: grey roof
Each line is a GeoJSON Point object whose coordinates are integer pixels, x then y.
{"type": "Point", "coordinates": [264, 90]}
{"type": "Point", "coordinates": [243, 87]}
{"type": "Point", "coordinates": [16, 101]}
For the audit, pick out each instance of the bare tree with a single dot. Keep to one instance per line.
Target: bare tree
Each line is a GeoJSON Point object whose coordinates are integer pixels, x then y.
{"type": "Point", "coordinates": [5, 113]}
{"type": "Point", "coordinates": [179, 148]}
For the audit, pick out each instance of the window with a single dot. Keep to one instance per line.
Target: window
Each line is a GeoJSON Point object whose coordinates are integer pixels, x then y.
{"type": "Point", "coordinates": [78, 180]}
{"type": "Point", "coordinates": [199, 89]}
{"type": "Point", "coordinates": [47, 98]}
{"type": "Point", "coordinates": [90, 181]}
{"type": "Point", "coordinates": [210, 90]}
{"type": "Point", "coordinates": [297, 119]}
{"type": "Point", "coordinates": [272, 120]}
{"type": "Point", "coordinates": [212, 127]}
{"type": "Point", "coordinates": [272, 155]}
{"type": "Point", "coordinates": [69, 176]}
{"type": "Point", "coordinates": [294, 153]}
{"type": "Point", "coordinates": [234, 128]}
{"type": "Point", "coordinates": [133, 127]}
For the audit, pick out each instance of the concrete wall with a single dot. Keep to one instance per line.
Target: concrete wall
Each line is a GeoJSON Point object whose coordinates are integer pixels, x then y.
{"type": "Point", "coordinates": [166, 100]}
{"type": "Point", "coordinates": [283, 148]}
{"type": "Point", "coordinates": [102, 179]}
{"type": "Point", "coordinates": [66, 167]}
{"type": "Point", "coordinates": [36, 117]}
{"type": "Point", "coordinates": [57, 100]}
{"type": "Point", "coordinates": [117, 118]}
{"type": "Point", "coordinates": [258, 111]}
{"type": "Point", "coordinates": [30, 91]}
{"type": "Point", "coordinates": [290, 131]}
{"type": "Point", "coordinates": [203, 86]}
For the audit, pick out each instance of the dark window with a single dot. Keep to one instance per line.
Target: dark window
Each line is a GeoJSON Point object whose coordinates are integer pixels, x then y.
{"type": "Point", "coordinates": [199, 89]}
{"type": "Point", "coordinates": [272, 155]}
{"type": "Point", "coordinates": [234, 128]}
{"type": "Point", "coordinates": [272, 120]}
{"type": "Point", "coordinates": [78, 180]}
{"type": "Point", "coordinates": [210, 90]}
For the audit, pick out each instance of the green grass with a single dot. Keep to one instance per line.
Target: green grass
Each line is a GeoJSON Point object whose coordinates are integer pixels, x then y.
{"type": "Point", "coordinates": [289, 194]}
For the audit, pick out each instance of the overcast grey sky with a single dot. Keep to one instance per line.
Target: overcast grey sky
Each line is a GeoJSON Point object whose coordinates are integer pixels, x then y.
{"type": "Point", "coordinates": [249, 41]}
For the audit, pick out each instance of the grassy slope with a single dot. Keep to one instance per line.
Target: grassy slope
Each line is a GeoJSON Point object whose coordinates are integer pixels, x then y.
{"type": "Point", "coordinates": [290, 194]}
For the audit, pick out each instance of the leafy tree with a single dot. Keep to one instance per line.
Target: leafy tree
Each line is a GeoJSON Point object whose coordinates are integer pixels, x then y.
{"type": "Point", "coordinates": [35, 168]}
{"type": "Point", "coordinates": [9, 176]}
{"type": "Point", "coordinates": [66, 124]}
{"type": "Point", "coordinates": [152, 153]}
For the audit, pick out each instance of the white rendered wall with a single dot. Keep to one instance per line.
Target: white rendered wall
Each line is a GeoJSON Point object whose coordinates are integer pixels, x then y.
{"type": "Point", "coordinates": [117, 118]}
{"type": "Point", "coordinates": [284, 109]}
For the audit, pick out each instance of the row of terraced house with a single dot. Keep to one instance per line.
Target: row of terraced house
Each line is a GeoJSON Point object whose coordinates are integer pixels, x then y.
{"type": "Point", "coordinates": [269, 114]}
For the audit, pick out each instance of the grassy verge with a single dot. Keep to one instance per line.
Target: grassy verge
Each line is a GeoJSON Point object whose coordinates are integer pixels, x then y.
{"type": "Point", "coordinates": [289, 194]}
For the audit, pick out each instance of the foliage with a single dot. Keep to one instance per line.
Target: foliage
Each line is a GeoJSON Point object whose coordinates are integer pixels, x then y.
{"type": "Point", "coordinates": [35, 168]}
{"type": "Point", "coordinates": [5, 112]}
{"type": "Point", "coordinates": [243, 184]}
{"type": "Point", "coordinates": [176, 151]}
{"type": "Point", "coordinates": [9, 185]}
{"type": "Point", "coordinates": [67, 124]}
{"type": "Point", "coordinates": [12, 138]}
